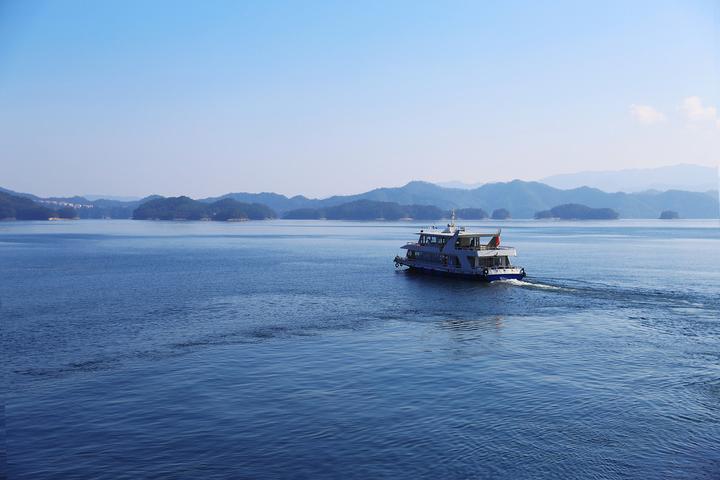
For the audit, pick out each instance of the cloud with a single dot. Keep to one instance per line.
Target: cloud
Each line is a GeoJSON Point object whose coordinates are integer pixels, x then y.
{"type": "Point", "coordinates": [646, 114]}
{"type": "Point", "coordinates": [695, 111]}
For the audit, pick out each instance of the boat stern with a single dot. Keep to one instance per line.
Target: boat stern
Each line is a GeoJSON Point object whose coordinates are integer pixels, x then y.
{"type": "Point", "coordinates": [506, 273]}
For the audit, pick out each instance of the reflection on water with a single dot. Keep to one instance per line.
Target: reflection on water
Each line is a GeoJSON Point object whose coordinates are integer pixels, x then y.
{"type": "Point", "coordinates": [492, 323]}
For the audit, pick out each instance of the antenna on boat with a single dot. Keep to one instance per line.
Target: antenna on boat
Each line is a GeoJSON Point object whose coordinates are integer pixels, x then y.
{"type": "Point", "coordinates": [452, 218]}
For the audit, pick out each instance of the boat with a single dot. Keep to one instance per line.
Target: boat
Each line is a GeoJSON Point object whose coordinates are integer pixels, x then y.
{"type": "Point", "coordinates": [456, 251]}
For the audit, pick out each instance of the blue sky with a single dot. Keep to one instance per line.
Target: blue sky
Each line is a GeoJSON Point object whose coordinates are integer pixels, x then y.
{"type": "Point", "coordinates": [202, 98]}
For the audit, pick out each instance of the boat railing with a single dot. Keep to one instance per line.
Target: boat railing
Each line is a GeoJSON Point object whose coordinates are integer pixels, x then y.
{"type": "Point", "coordinates": [418, 244]}
{"type": "Point", "coordinates": [482, 247]}
{"type": "Point", "coordinates": [463, 248]}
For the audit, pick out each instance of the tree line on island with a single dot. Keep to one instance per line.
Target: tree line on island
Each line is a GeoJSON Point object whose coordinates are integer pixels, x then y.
{"type": "Point", "coordinates": [372, 210]}
{"type": "Point", "coordinates": [185, 208]}
{"type": "Point", "coordinates": [227, 209]}
{"type": "Point", "coordinates": [369, 210]}
{"type": "Point", "coordinates": [574, 211]}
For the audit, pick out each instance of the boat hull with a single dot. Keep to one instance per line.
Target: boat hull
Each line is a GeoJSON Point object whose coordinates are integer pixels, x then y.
{"type": "Point", "coordinates": [491, 276]}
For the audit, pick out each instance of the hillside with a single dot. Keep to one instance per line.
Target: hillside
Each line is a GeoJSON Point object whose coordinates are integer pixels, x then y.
{"type": "Point", "coordinates": [694, 178]}
{"type": "Point", "coordinates": [22, 208]}
{"type": "Point", "coordinates": [368, 210]}
{"type": "Point", "coordinates": [185, 208]}
{"type": "Point", "coordinates": [521, 199]}
{"type": "Point", "coordinates": [13, 207]}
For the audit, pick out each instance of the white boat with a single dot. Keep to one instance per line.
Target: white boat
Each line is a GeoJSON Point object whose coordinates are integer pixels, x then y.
{"type": "Point", "coordinates": [458, 252]}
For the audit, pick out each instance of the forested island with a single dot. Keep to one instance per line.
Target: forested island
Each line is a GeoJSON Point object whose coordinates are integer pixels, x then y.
{"type": "Point", "coordinates": [471, 214]}
{"type": "Point", "coordinates": [669, 215]}
{"type": "Point", "coordinates": [185, 208]}
{"type": "Point", "coordinates": [574, 211]}
{"type": "Point", "coordinates": [500, 214]}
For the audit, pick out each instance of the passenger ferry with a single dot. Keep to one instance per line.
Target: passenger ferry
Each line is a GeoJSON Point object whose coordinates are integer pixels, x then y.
{"type": "Point", "coordinates": [458, 252]}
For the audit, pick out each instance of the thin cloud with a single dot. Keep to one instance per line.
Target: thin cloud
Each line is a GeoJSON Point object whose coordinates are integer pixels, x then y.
{"type": "Point", "coordinates": [646, 114]}
{"type": "Point", "coordinates": [695, 111]}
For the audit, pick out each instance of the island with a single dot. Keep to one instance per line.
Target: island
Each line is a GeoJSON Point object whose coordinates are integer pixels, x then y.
{"type": "Point", "coordinates": [185, 208]}
{"type": "Point", "coordinates": [575, 211]}
{"type": "Point", "coordinates": [500, 214]}
{"type": "Point", "coordinates": [669, 215]}
{"type": "Point", "coordinates": [471, 214]}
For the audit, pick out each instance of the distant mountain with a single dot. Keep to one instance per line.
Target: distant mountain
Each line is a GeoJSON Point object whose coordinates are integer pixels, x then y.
{"type": "Point", "coordinates": [117, 198]}
{"type": "Point", "coordinates": [460, 185]}
{"type": "Point", "coordinates": [520, 199]}
{"type": "Point", "coordinates": [694, 178]}
{"type": "Point", "coordinates": [523, 199]}
{"type": "Point", "coordinates": [276, 201]}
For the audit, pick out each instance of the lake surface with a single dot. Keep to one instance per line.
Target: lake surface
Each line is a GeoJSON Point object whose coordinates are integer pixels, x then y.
{"type": "Point", "coordinates": [291, 349]}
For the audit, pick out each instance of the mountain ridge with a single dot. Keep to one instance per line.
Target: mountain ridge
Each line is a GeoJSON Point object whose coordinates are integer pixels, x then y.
{"type": "Point", "coordinates": [523, 199]}
{"type": "Point", "coordinates": [684, 176]}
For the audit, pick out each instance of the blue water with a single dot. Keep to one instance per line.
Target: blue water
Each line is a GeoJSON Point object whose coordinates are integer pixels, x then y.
{"type": "Point", "coordinates": [295, 350]}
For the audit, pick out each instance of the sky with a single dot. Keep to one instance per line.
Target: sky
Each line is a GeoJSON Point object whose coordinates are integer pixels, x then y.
{"type": "Point", "coordinates": [319, 98]}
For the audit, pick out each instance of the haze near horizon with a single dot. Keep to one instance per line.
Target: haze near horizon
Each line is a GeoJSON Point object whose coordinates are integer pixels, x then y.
{"type": "Point", "coordinates": [128, 98]}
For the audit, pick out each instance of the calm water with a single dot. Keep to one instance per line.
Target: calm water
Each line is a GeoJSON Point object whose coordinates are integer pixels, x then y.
{"type": "Point", "coordinates": [295, 350]}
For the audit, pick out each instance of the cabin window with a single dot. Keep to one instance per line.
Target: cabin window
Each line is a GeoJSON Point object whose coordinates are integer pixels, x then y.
{"type": "Point", "coordinates": [473, 261]}
{"type": "Point", "coordinates": [501, 261]}
{"type": "Point", "coordinates": [486, 261]}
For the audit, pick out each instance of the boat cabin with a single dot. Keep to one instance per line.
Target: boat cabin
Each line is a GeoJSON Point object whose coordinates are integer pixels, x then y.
{"type": "Point", "coordinates": [463, 241]}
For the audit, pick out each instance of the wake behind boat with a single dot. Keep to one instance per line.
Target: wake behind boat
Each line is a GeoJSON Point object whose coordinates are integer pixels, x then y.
{"type": "Point", "coordinates": [458, 252]}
